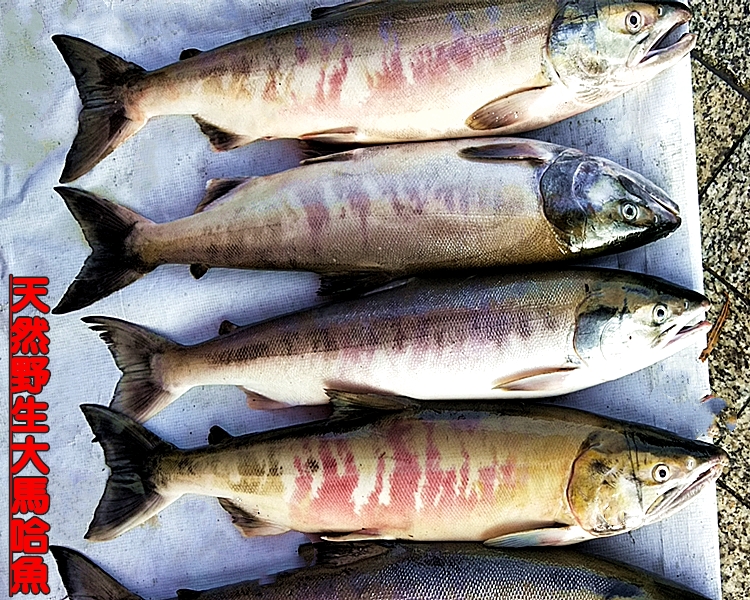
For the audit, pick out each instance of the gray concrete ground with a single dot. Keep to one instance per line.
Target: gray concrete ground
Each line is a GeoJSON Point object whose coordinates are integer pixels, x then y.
{"type": "Point", "coordinates": [721, 94]}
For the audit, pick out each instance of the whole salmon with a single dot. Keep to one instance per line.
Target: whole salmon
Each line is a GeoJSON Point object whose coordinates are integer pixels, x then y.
{"type": "Point", "coordinates": [396, 571]}
{"type": "Point", "coordinates": [373, 214]}
{"type": "Point", "coordinates": [392, 468]}
{"type": "Point", "coordinates": [513, 335]}
{"type": "Point", "coordinates": [384, 71]}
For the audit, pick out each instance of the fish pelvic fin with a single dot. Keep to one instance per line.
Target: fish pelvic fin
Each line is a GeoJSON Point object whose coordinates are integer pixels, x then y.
{"type": "Point", "coordinates": [139, 393]}
{"type": "Point", "coordinates": [562, 535]}
{"type": "Point", "coordinates": [83, 580]}
{"type": "Point", "coordinates": [104, 121]}
{"type": "Point", "coordinates": [111, 265]}
{"type": "Point", "coordinates": [132, 453]}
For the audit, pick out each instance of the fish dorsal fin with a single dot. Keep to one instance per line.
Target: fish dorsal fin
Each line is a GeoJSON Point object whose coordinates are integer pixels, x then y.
{"type": "Point", "coordinates": [221, 139]}
{"type": "Point", "coordinates": [331, 554]}
{"type": "Point", "coordinates": [249, 525]}
{"type": "Point", "coordinates": [198, 270]}
{"type": "Point", "coordinates": [520, 107]}
{"type": "Point", "coordinates": [347, 403]}
{"type": "Point", "coordinates": [215, 189]}
{"type": "Point", "coordinates": [353, 283]}
{"type": "Point", "coordinates": [227, 327]}
{"type": "Point", "coordinates": [341, 9]}
{"type": "Point", "coordinates": [184, 593]}
{"type": "Point", "coordinates": [343, 156]}
{"type": "Point", "coordinates": [509, 150]}
{"type": "Point", "coordinates": [217, 435]}
{"type": "Point", "coordinates": [190, 53]}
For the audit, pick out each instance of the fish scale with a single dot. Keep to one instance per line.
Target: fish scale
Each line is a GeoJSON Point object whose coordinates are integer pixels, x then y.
{"type": "Point", "coordinates": [392, 468]}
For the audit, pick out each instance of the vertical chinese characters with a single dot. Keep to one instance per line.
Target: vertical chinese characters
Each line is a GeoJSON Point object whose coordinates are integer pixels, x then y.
{"type": "Point", "coordinates": [29, 373]}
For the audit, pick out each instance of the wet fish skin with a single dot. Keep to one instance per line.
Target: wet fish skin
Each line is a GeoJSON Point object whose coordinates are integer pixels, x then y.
{"type": "Point", "coordinates": [510, 335]}
{"type": "Point", "coordinates": [506, 475]}
{"type": "Point", "coordinates": [386, 212]}
{"type": "Point", "coordinates": [383, 72]}
{"type": "Point", "coordinates": [350, 571]}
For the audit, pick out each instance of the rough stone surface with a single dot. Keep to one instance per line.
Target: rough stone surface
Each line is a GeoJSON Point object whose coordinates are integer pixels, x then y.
{"type": "Point", "coordinates": [721, 116]}
{"type": "Point", "coordinates": [724, 37]}
{"type": "Point", "coordinates": [734, 539]}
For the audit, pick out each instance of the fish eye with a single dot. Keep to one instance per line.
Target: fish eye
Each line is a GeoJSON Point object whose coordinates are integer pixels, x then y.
{"type": "Point", "coordinates": [661, 314]}
{"type": "Point", "coordinates": [634, 21]}
{"type": "Point", "coordinates": [629, 211]}
{"type": "Point", "coordinates": [660, 11]}
{"type": "Point", "coordinates": [660, 473]}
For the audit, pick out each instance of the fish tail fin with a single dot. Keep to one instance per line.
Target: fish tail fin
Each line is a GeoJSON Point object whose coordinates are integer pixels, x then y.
{"type": "Point", "coordinates": [83, 580]}
{"type": "Point", "coordinates": [112, 265]}
{"type": "Point", "coordinates": [132, 453]}
{"type": "Point", "coordinates": [104, 121]}
{"type": "Point", "coordinates": [139, 393]}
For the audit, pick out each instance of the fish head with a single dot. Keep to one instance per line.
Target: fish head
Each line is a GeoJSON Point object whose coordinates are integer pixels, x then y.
{"type": "Point", "coordinates": [628, 321]}
{"type": "Point", "coordinates": [599, 49]}
{"type": "Point", "coordinates": [595, 204]}
{"type": "Point", "coordinates": [622, 480]}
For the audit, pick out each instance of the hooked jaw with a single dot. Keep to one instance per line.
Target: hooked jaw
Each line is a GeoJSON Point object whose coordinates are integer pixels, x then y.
{"type": "Point", "coordinates": [676, 498]}
{"type": "Point", "coordinates": [684, 332]}
{"type": "Point", "coordinates": [649, 59]}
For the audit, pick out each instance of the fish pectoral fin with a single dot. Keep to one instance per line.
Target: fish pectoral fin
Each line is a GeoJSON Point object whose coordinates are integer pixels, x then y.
{"type": "Point", "coordinates": [338, 554]}
{"type": "Point", "coordinates": [343, 156]}
{"type": "Point", "coordinates": [540, 380]}
{"type": "Point", "coordinates": [509, 110]}
{"type": "Point", "coordinates": [198, 271]}
{"type": "Point", "coordinates": [258, 401]}
{"type": "Point", "coordinates": [221, 139]}
{"type": "Point", "coordinates": [338, 135]}
{"type": "Point", "coordinates": [508, 150]}
{"type": "Point", "coordinates": [348, 403]}
{"type": "Point", "coordinates": [363, 535]}
{"type": "Point", "coordinates": [217, 435]}
{"type": "Point", "coordinates": [190, 53]}
{"type": "Point", "coordinates": [249, 525]}
{"type": "Point", "coordinates": [215, 189]}
{"type": "Point", "coordinates": [562, 535]}
{"type": "Point", "coordinates": [353, 283]}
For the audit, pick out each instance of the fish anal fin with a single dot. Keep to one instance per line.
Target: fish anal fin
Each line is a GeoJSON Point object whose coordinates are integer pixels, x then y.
{"type": "Point", "coordinates": [221, 139]}
{"type": "Point", "coordinates": [345, 402]}
{"type": "Point", "coordinates": [258, 401]}
{"type": "Point", "coordinates": [528, 150]}
{"type": "Point", "coordinates": [562, 535]}
{"type": "Point", "coordinates": [216, 189]}
{"type": "Point", "coordinates": [217, 435]}
{"type": "Point", "coordinates": [510, 110]}
{"type": "Point", "coordinates": [190, 53]}
{"type": "Point", "coordinates": [540, 380]}
{"type": "Point", "coordinates": [338, 135]}
{"type": "Point", "coordinates": [363, 535]}
{"type": "Point", "coordinates": [249, 525]}
{"type": "Point", "coordinates": [198, 271]}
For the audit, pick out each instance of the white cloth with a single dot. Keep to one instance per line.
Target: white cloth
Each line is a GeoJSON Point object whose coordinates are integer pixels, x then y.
{"type": "Point", "coordinates": [161, 173]}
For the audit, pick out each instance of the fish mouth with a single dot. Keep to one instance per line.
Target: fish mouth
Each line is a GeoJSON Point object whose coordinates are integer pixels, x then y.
{"type": "Point", "coordinates": [650, 53]}
{"type": "Point", "coordinates": [685, 332]}
{"type": "Point", "coordinates": [677, 497]}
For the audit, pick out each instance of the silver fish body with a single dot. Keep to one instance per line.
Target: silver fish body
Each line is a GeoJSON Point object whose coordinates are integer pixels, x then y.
{"type": "Point", "coordinates": [371, 72]}
{"type": "Point", "coordinates": [491, 336]}
{"type": "Point", "coordinates": [386, 212]}
{"type": "Point", "coordinates": [393, 468]}
{"type": "Point", "coordinates": [393, 571]}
